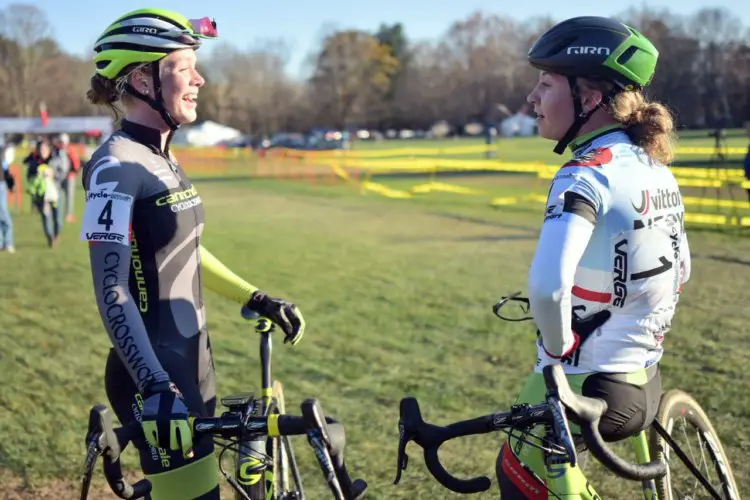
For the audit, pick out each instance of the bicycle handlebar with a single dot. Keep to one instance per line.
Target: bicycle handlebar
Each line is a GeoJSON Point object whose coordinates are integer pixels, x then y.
{"type": "Point", "coordinates": [584, 411]}
{"type": "Point", "coordinates": [325, 435]}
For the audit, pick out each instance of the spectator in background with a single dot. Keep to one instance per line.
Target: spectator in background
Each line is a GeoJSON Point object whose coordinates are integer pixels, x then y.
{"type": "Point", "coordinates": [60, 164]}
{"type": "Point", "coordinates": [44, 189]}
{"type": "Point", "coordinates": [40, 156]}
{"type": "Point", "coordinates": [7, 183]}
{"type": "Point", "coordinates": [68, 184]}
{"type": "Point", "coordinates": [747, 171]}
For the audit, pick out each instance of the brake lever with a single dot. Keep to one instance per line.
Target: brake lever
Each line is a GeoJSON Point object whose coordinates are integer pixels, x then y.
{"type": "Point", "coordinates": [92, 454]}
{"type": "Point", "coordinates": [562, 428]}
{"type": "Point", "coordinates": [403, 458]}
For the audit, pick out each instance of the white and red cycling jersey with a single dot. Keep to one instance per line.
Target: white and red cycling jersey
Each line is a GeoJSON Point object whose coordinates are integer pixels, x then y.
{"type": "Point", "coordinates": [613, 238]}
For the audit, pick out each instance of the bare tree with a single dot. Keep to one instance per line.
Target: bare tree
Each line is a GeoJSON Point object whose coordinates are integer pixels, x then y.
{"type": "Point", "coordinates": [28, 28]}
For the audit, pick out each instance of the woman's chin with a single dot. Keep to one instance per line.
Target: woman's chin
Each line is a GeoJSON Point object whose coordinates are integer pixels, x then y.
{"type": "Point", "coordinates": [188, 114]}
{"type": "Point", "coordinates": [546, 133]}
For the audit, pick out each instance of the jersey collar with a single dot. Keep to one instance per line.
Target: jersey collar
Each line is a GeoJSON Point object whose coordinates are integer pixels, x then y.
{"type": "Point", "coordinates": [145, 135]}
{"type": "Point", "coordinates": [584, 140]}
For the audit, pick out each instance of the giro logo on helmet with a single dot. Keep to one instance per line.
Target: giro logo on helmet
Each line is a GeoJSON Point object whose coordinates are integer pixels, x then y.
{"type": "Point", "coordinates": [144, 29]}
{"type": "Point", "coordinates": [588, 50]}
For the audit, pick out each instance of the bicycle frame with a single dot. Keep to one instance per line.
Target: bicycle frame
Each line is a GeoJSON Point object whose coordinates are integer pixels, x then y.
{"type": "Point", "coordinates": [250, 468]}
{"type": "Point", "coordinates": [640, 441]}
{"type": "Point", "coordinates": [562, 477]}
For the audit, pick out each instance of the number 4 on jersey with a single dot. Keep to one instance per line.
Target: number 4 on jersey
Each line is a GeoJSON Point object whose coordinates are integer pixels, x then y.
{"type": "Point", "coordinates": [105, 218]}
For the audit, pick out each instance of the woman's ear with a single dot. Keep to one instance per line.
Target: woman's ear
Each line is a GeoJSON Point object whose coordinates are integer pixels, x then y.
{"type": "Point", "coordinates": [139, 82]}
{"type": "Point", "coordinates": [591, 98]}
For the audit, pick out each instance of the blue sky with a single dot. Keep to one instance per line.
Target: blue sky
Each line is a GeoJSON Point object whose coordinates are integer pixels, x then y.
{"type": "Point", "coordinates": [76, 23]}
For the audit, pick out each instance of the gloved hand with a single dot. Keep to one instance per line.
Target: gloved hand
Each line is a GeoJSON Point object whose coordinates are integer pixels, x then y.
{"type": "Point", "coordinates": [585, 327]}
{"type": "Point", "coordinates": [165, 418]}
{"type": "Point", "coordinates": [282, 313]}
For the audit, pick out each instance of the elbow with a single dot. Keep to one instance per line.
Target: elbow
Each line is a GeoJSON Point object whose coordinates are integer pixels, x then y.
{"type": "Point", "coordinates": [545, 290]}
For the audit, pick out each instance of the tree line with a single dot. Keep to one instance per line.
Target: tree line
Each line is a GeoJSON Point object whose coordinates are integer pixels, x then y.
{"type": "Point", "coordinates": [476, 71]}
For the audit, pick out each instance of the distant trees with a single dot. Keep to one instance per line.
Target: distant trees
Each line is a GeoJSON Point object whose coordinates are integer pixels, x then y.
{"type": "Point", "coordinates": [385, 80]}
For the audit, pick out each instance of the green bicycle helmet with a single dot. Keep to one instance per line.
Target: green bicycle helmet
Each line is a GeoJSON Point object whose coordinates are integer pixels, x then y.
{"type": "Point", "coordinates": [147, 36]}
{"type": "Point", "coordinates": [598, 48]}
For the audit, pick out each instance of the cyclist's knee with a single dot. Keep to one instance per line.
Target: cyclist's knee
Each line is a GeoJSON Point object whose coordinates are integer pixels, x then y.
{"type": "Point", "coordinates": [197, 479]}
{"type": "Point", "coordinates": [515, 480]}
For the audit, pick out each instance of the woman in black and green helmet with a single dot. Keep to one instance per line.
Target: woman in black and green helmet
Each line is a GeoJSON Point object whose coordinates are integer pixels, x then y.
{"type": "Point", "coordinates": [612, 249]}
{"type": "Point", "coordinates": [143, 221]}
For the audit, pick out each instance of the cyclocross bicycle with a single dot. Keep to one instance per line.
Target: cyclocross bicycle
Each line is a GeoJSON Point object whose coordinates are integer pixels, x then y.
{"type": "Point", "coordinates": [661, 477]}
{"type": "Point", "coordinates": [256, 429]}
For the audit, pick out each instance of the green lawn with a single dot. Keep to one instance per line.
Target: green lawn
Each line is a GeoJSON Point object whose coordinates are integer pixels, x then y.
{"type": "Point", "coordinates": [397, 295]}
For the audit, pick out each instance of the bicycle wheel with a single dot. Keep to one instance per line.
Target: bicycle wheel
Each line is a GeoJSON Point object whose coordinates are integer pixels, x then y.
{"type": "Point", "coordinates": [681, 416]}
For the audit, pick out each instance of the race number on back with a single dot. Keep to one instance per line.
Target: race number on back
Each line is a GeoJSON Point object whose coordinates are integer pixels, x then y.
{"type": "Point", "coordinates": [107, 217]}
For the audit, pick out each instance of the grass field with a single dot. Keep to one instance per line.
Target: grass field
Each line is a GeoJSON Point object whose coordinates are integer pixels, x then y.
{"type": "Point", "coordinates": [397, 295]}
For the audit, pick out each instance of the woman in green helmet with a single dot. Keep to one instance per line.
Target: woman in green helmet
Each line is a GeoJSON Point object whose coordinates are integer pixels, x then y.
{"type": "Point", "coordinates": [612, 253]}
{"type": "Point", "coordinates": [143, 221]}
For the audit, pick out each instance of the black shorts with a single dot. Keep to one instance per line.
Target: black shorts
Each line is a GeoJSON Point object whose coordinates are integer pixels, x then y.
{"type": "Point", "coordinates": [630, 408]}
{"type": "Point", "coordinates": [199, 396]}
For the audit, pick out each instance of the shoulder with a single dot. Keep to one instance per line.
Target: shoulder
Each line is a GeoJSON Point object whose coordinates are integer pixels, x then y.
{"type": "Point", "coordinates": [590, 176]}
{"type": "Point", "coordinates": [114, 161]}
{"type": "Point", "coordinates": [594, 166]}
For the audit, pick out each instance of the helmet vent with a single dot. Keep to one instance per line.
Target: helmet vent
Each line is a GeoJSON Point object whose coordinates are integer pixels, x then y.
{"type": "Point", "coordinates": [625, 56]}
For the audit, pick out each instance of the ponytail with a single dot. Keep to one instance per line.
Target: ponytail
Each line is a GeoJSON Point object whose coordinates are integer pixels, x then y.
{"type": "Point", "coordinates": [649, 125]}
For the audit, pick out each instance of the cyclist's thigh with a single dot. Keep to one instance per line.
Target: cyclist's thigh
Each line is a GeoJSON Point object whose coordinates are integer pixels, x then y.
{"type": "Point", "coordinates": [167, 470]}
{"type": "Point", "coordinates": [632, 401]}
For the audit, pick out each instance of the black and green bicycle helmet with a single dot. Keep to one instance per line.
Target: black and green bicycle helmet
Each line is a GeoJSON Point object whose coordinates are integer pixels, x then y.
{"type": "Point", "coordinates": [598, 48]}
{"type": "Point", "coordinates": [147, 36]}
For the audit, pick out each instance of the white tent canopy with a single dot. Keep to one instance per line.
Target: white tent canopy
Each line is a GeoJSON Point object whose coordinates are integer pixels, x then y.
{"type": "Point", "coordinates": [519, 124]}
{"type": "Point", "coordinates": [206, 133]}
{"type": "Point", "coordinates": [57, 125]}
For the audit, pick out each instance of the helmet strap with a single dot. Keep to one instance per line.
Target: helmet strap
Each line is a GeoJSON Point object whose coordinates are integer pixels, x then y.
{"type": "Point", "coordinates": [580, 118]}
{"type": "Point", "coordinates": [158, 103]}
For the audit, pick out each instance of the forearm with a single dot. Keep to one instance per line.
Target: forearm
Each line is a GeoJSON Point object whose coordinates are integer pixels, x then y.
{"type": "Point", "coordinates": [686, 260]}
{"type": "Point", "coordinates": [110, 264]}
{"type": "Point", "coordinates": [218, 278]}
{"type": "Point", "coordinates": [551, 279]}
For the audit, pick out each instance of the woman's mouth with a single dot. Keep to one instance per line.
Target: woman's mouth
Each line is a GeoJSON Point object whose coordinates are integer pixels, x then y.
{"type": "Point", "coordinates": [190, 99]}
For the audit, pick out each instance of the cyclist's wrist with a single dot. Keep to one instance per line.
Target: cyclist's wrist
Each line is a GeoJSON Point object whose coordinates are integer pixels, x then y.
{"type": "Point", "coordinates": [256, 300]}
{"type": "Point", "coordinates": [154, 385]}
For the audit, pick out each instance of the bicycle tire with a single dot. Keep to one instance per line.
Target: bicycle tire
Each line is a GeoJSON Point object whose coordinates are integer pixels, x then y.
{"type": "Point", "coordinates": [676, 404]}
{"type": "Point", "coordinates": [284, 461]}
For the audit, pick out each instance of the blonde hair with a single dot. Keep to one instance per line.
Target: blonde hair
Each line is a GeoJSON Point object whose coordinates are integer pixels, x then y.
{"type": "Point", "coordinates": [107, 92]}
{"type": "Point", "coordinates": [649, 125]}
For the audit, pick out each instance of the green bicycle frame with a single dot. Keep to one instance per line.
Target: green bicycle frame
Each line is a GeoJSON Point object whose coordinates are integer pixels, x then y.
{"type": "Point", "coordinates": [249, 462]}
{"type": "Point", "coordinates": [570, 483]}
